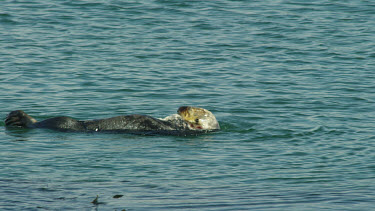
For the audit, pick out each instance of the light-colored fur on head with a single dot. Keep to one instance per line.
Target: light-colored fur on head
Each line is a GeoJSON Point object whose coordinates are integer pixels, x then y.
{"type": "Point", "coordinates": [198, 118]}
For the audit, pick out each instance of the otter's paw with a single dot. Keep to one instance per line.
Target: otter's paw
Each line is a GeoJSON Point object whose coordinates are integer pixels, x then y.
{"type": "Point", "coordinates": [19, 118]}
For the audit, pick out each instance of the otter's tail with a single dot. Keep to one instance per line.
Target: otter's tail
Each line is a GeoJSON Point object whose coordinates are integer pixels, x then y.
{"type": "Point", "coordinates": [19, 118]}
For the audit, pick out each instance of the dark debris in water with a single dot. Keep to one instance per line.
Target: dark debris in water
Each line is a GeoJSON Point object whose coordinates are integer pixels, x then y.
{"type": "Point", "coordinates": [96, 201]}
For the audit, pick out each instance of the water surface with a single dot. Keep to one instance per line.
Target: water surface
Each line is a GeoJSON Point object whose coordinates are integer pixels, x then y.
{"type": "Point", "coordinates": [291, 83]}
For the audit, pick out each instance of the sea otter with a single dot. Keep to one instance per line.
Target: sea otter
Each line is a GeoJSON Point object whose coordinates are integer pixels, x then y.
{"type": "Point", "coordinates": [188, 120]}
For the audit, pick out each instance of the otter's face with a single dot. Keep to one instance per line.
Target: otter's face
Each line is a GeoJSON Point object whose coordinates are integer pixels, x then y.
{"type": "Point", "coordinates": [198, 118]}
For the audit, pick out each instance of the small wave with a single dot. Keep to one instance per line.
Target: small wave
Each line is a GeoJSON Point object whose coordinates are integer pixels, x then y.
{"type": "Point", "coordinates": [310, 132]}
{"type": "Point", "coordinates": [7, 19]}
{"type": "Point", "coordinates": [258, 134]}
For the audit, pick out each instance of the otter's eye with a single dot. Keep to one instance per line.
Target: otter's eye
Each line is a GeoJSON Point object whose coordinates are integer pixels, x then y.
{"type": "Point", "coordinates": [197, 121]}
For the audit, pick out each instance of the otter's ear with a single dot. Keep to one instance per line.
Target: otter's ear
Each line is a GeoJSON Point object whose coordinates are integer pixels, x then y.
{"type": "Point", "coordinates": [182, 109]}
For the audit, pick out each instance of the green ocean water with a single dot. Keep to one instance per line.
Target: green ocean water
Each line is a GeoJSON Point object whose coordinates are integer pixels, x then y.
{"type": "Point", "coordinates": [292, 84]}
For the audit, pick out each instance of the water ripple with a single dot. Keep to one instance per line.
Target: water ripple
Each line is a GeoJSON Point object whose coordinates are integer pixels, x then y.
{"type": "Point", "coordinates": [291, 84]}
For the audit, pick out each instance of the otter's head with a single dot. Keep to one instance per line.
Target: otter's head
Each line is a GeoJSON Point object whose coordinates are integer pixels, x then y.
{"type": "Point", "coordinates": [198, 118]}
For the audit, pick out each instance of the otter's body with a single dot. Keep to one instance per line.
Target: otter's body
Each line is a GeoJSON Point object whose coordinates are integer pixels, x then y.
{"type": "Point", "coordinates": [188, 119]}
{"type": "Point", "coordinates": [129, 122]}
